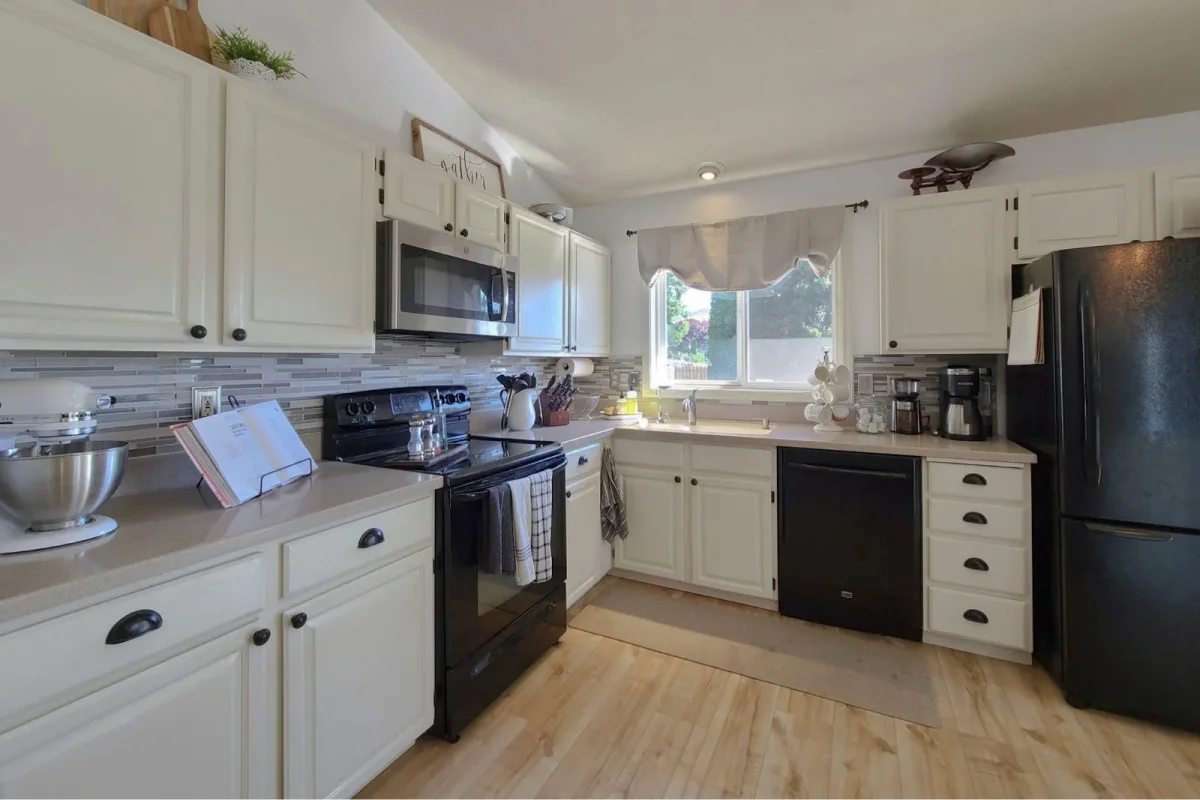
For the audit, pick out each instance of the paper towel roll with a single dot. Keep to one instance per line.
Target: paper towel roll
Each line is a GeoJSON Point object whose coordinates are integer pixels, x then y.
{"type": "Point", "coordinates": [575, 367]}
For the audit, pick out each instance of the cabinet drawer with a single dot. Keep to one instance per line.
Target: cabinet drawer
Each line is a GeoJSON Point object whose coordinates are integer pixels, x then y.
{"type": "Point", "coordinates": [977, 519]}
{"type": "Point", "coordinates": [733, 460]}
{"type": "Point", "coordinates": [956, 479]}
{"type": "Point", "coordinates": [584, 461]}
{"type": "Point", "coordinates": [994, 567]}
{"type": "Point", "coordinates": [1005, 619]}
{"type": "Point", "coordinates": [649, 454]}
{"type": "Point", "coordinates": [52, 657]}
{"type": "Point", "coordinates": [371, 540]}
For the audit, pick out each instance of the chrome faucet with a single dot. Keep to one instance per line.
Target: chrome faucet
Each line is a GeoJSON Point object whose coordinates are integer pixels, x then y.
{"type": "Point", "coordinates": [689, 405]}
{"type": "Point", "coordinates": [663, 416]}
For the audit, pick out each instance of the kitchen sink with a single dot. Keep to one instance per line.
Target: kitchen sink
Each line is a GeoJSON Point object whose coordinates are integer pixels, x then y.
{"type": "Point", "coordinates": [728, 427]}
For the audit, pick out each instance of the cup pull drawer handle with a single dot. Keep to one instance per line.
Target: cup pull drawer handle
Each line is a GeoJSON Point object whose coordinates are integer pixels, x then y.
{"type": "Point", "coordinates": [976, 564]}
{"type": "Point", "coordinates": [370, 538]}
{"type": "Point", "coordinates": [975, 615]}
{"type": "Point", "coordinates": [975, 479]}
{"type": "Point", "coordinates": [135, 624]}
{"type": "Point", "coordinates": [975, 518]}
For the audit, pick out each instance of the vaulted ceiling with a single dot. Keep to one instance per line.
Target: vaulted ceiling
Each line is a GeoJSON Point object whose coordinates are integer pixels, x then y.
{"type": "Point", "coordinates": [615, 98]}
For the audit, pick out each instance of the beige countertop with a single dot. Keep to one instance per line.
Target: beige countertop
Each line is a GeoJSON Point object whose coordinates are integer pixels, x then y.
{"type": "Point", "coordinates": [163, 531]}
{"type": "Point", "coordinates": [584, 432]}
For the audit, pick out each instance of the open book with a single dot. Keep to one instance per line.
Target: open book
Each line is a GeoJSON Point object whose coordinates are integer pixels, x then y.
{"type": "Point", "coordinates": [246, 452]}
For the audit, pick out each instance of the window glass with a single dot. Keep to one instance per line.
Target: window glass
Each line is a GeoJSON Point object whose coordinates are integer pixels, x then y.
{"type": "Point", "coordinates": [702, 333]}
{"type": "Point", "coordinates": [789, 326]}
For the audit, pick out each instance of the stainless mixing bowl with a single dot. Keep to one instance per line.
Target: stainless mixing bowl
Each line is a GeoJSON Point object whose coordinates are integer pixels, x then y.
{"type": "Point", "coordinates": [51, 487]}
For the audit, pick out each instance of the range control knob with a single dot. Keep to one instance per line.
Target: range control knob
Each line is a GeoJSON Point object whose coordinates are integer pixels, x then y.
{"type": "Point", "coordinates": [352, 408]}
{"type": "Point", "coordinates": [368, 406]}
{"type": "Point", "coordinates": [461, 397]}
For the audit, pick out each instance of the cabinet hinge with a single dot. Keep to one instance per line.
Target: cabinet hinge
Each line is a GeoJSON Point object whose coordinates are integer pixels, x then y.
{"type": "Point", "coordinates": [772, 584]}
{"type": "Point", "coordinates": [381, 197]}
{"type": "Point", "coordinates": [772, 497]}
{"type": "Point", "coordinates": [1006, 204]}
{"type": "Point", "coordinates": [1016, 204]}
{"type": "Point", "coordinates": [1015, 238]}
{"type": "Point", "coordinates": [505, 217]}
{"type": "Point", "coordinates": [382, 167]}
{"type": "Point", "coordinates": [437, 563]}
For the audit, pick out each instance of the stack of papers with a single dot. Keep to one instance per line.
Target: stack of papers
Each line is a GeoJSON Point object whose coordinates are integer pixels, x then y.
{"type": "Point", "coordinates": [246, 452]}
{"type": "Point", "coordinates": [1025, 338]}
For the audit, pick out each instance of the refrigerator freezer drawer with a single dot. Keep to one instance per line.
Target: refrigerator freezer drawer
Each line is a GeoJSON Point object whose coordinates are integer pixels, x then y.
{"type": "Point", "coordinates": [966, 518]}
{"type": "Point", "coordinates": [956, 479]}
{"type": "Point", "coordinates": [995, 620]}
{"type": "Point", "coordinates": [979, 565]}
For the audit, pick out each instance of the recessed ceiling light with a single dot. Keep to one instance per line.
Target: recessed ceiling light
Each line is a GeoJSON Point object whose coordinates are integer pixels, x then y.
{"type": "Point", "coordinates": [710, 170]}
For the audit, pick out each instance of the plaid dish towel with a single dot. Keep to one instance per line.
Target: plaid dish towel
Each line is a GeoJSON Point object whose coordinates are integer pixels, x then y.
{"type": "Point", "coordinates": [541, 496]}
{"type": "Point", "coordinates": [613, 522]}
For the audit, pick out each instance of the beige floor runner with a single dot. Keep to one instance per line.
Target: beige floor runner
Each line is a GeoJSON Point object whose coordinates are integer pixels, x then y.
{"type": "Point", "coordinates": [877, 673]}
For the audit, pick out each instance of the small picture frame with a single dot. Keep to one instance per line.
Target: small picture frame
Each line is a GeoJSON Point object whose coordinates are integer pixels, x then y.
{"type": "Point", "coordinates": [434, 146]}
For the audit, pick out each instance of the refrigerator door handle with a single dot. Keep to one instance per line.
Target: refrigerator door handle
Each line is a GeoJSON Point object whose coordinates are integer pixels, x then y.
{"type": "Point", "coordinates": [1092, 467]}
{"type": "Point", "coordinates": [1125, 533]}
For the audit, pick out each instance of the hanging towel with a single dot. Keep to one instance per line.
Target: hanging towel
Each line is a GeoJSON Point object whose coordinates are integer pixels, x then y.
{"type": "Point", "coordinates": [541, 489]}
{"type": "Point", "coordinates": [612, 508]}
{"type": "Point", "coordinates": [496, 547]}
{"type": "Point", "coordinates": [523, 571]}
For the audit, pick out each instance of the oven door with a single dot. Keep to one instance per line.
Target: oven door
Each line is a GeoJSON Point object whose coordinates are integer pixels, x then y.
{"type": "Point", "coordinates": [431, 282]}
{"type": "Point", "coordinates": [479, 605]}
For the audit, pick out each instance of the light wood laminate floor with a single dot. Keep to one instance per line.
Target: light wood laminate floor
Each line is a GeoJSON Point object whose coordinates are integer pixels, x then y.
{"type": "Point", "coordinates": [596, 717]}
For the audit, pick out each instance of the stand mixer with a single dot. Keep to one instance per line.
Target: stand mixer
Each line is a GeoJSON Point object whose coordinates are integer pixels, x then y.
{"type": "Point", "coordinates": [52, 481]}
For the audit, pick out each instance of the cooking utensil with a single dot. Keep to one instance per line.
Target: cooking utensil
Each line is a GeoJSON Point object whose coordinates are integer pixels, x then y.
{"type": "Point", "coordinates": [131, 13]}
{"type": "Point", "coordinates": [183, 30]}
{"type": "Point", "coordinates": [54, 486]}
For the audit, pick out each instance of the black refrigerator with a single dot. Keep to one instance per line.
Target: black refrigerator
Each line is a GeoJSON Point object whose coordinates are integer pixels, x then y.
{"type": "Point", "coordinates": [1114, 417]}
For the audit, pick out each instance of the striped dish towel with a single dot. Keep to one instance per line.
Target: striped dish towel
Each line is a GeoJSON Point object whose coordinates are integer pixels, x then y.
{"type": "Point", "coordinates": [541, 495]}
{"type": "Point", "coordinates": [522, 531]}
{"type": "Point", "coordinates": [613, 522]}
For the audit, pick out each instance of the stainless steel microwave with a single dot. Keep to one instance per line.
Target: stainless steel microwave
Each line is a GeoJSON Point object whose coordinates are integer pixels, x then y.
{"type": "Point", "coordinates": [435, 283]}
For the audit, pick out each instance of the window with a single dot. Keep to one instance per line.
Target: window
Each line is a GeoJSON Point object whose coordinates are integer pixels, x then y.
{"type": "Point", "coordinates": [762, 339]}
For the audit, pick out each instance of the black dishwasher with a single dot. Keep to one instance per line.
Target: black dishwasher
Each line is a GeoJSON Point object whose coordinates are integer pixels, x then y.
{"type": "Point", "coordinates": [850, 540]}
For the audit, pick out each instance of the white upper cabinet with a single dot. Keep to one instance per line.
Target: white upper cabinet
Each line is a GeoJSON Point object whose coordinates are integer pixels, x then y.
{"type": "Point", "coordinates": [481, 217]}
{"type": "Point", "coordinates": [541, 250]}
{"type": "Point", "coordinates": [1083, 212]}
{"type": "Point", "coordinates": [109, 181]}
{"type": "Point", "coordinates": [416, 192]}
{"type": "Point", "coordinates": [945, 273]}
{"type": "Point", "coordinates": [1177, 201]}
{"type": "Point", "coordinates": [358, 678]}
{"type": "Point", "coordinates": [300, 209]}
{"type": "Point", "coordinates": [732, 535]}
{"type": "Point", "coordinates": [591, 288]}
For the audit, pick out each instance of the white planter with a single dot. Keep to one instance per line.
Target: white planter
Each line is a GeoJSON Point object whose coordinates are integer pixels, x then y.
{"type": "Point", "coordinates": [252, 70]}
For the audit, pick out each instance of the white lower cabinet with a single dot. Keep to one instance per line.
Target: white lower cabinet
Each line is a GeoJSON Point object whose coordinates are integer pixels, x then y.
{"type": "Point", "coordinates": [357, 678]}
{"type": "Point", "coordinates": [587, 552]}
{"type": "Point", "coordinates": [700, 527]}
{"type": "Point", "coordinates": [197, 725]}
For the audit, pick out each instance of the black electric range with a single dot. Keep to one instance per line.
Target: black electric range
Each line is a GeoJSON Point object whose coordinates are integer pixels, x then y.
{"type": "Point", "coordinates": [488, 630]}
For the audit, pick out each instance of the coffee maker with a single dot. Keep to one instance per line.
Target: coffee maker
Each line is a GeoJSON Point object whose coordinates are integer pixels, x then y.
{"type": "Point", "coordinates": [959, 416]}
{"type": "Point", "coordinates": [906, 407]}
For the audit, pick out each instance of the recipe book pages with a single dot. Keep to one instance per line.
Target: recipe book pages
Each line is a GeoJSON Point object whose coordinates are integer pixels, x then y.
{"type": "Point", "coordinates": [1025, 336]}
{"type": "Point", "coordinates": [246, 452]}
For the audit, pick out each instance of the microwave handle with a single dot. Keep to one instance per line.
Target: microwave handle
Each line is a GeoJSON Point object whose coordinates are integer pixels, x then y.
{"type": "Point", "coordinates": [504, 298]}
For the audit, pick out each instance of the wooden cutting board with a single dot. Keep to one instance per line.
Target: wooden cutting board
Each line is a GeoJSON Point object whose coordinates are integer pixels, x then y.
{"type": "Point", "coordinates": [183, 30]}
{"type": "Point", "coordinates": [133, 13]}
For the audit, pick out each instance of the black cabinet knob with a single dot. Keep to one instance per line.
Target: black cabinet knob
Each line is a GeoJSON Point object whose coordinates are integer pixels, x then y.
{"type": "Point", "coordinates": [298, 620]}
{"type": "Point", "coordinates": [975, 615]}
{"type": "Point", "coordinates": [694, 481]}
{"type": "Point", "coordinates": [977, 564]}
{"type": "Point", "coordinates": [239, 334]}
{"type": "Point", "coordinates": [568, 495]}
{"type": "Point", "coordinates": [449, 227]}
{"type": "Point", "coordinates": [892, 343]}
{"type": "Point", "coordinates": [134, 624]}
{"type": "Point", "coordinates": [583, 460]}
{"type": "Point", "coordinates": [371, 538]}
{"type": "Point", "coordinates": [678, 479]}
{"type": "Point", "coordinates": [975, 479]}
{"type": "Point", "coordinates": [199, 331]}
{"type": "Point", "coordinates": [261, 637]}
{"type": "Point", "coordinates": [975, 518]}
{"type": "Point", "coordinates": [463, 232]}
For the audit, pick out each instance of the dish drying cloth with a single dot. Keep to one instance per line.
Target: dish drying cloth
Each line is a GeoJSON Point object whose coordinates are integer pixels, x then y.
{"type": "Point", "coordinates": [519, 491]}
{"type": "Point", "coordinates": [541, 490]}
{"type": "Point", "coordinates": [496, 552]}
{"type": "Point", "coordinates": [613, 522]}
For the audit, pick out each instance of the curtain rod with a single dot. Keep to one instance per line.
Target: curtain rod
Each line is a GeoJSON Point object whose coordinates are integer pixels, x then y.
{"type": "Point", "coordinates": [855, 206]}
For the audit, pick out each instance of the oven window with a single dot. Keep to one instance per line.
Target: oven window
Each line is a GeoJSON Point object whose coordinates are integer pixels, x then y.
{"type": "Point", "coordinates": [445, 286]}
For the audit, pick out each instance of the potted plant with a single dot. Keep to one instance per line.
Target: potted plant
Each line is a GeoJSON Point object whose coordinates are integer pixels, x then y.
{"type": "Point", "coordinates": [251, 58]}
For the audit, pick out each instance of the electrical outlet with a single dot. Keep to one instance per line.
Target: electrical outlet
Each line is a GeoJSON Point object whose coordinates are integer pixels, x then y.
{"type": "Point", "coordinates": [206, 401]}
{"type": "Point", "coordinates": [866, 383]}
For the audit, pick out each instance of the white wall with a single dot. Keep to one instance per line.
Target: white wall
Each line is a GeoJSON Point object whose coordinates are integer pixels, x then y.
{"type": "Point", "coordinates": [361, 71]}
{"type": "Point", "coordinates": [1129, 145]}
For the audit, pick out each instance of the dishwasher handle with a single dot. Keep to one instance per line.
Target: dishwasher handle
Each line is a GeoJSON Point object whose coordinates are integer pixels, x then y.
{"type": "Point", "coordinates": [870, 473]}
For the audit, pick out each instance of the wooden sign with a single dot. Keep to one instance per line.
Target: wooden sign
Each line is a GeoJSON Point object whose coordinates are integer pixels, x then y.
{"type": "Point", "coordinates": [441, 149]}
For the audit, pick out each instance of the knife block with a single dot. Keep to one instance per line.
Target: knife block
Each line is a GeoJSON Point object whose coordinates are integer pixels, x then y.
{"type": "Point", "coordinates": [553, 419]}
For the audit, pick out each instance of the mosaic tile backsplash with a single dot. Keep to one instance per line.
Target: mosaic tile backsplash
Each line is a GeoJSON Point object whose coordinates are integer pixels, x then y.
{"type": "Point", "coordinates": [884, 368]}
